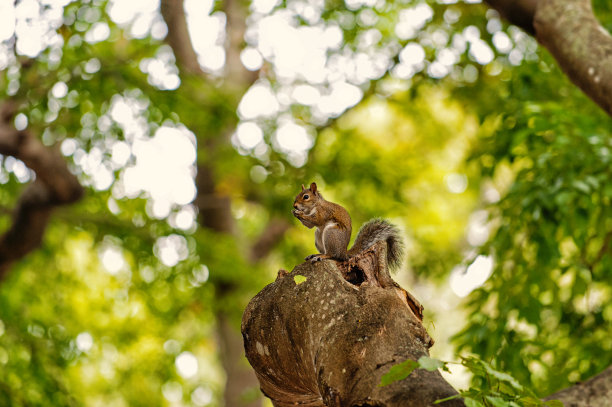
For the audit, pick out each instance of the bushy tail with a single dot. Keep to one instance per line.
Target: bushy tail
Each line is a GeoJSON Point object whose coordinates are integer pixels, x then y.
{"type": "Point", "coordinates": [376, 230]}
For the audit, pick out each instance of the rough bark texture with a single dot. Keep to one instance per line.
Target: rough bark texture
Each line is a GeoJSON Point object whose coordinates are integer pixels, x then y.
{"type": "Point", "coordinates": [55, 185]}
{"type": "Point", "coordinates": [595, 392]}
{"type": "Point", "coordinates": [327, 340]}
{"type": "Point", "coordinates": [583, 48]}
{"type": "Point", "coordinates": [572, 34]}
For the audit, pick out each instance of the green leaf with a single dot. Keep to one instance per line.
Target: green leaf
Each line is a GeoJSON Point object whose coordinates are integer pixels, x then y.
{"type": "Point", "coordinates": [432, 364]}
{"type": "Point", "coordinates": [299, 279]}
{"type": "Point", "coordinates": [553, 403]}
{"type": "Point", "coordinates": [470, 402]}
{"type": "Point", "coordinates": [582, 186]}
{"type": "Point", "coordinates": [398, 372]}
{"type": "Point", "coordinates": [504, 377]}
{"type": "Point", "coordinates": [530, 401]}
{"type": "Point", "coordinates": [497, 401]}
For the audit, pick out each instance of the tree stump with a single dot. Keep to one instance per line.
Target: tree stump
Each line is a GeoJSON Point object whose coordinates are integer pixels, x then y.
{"type": "Point", "coordinates": [324, 334]}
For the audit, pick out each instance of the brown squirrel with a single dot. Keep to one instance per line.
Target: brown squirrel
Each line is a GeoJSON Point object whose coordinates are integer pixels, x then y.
{"type": "Point", "coordinates": [334, 229]}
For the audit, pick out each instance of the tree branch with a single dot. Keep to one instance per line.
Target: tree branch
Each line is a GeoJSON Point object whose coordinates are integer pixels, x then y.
{"type": "Point", "coordinates": [517, 12]}
{"type": "Point", "coordinates": [55, 185]}
{"type": "Point", "coordinates": [574, 37]}
{"type": "Point", "coordinates": [270, 237]}
{"type": "Point", "coordinates": [597, 391]}
{"type": "Point", "coordinates": [583, 48]}
{"type": "Point", "coordinates": [235, 72]}
{"type": "Point", "coordinates": [178, 36]}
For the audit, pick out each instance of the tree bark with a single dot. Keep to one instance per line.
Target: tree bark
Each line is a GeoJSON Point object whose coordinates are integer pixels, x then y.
{"type": "Point", "coordinates": [324, 334]}
{"type": "Point", "coordinates": [597, 391]}
{"type": "Point", "coordinates": [574, 37]}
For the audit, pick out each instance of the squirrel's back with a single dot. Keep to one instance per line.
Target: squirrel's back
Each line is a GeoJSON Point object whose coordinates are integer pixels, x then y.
{"type": "Point", "coordinates": [377, 230]}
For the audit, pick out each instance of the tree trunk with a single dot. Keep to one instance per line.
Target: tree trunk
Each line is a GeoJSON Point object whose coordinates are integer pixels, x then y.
{"type": "Point", "coordinates": [240, 378]}
{"type": "Point", "coordinates": [215, 208]}
{"type": "Point", "coordinates": [324, 334]}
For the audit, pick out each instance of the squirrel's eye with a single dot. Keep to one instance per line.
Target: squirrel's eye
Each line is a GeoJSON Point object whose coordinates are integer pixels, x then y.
{"type": "Point", "coordinates": [306, 196]}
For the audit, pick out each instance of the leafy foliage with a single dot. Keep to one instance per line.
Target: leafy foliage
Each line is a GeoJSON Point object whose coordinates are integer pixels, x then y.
{"type": "Point", "coordinates": [121, 289]}
{"type": "Point", "coordinates": [492, 388]}
{"type": "Point", "coordinates": [550, 235]}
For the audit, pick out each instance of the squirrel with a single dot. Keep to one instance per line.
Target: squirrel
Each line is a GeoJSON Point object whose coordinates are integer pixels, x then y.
{"type": "Point", "coordinates": [334, 229]}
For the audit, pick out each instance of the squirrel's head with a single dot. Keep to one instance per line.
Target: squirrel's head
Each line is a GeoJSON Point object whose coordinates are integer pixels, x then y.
{"type": "Point", "coordinates": [305, 202]}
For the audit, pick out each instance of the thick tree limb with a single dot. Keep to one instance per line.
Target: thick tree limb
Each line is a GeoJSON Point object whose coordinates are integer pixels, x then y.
{"type": "Point", "coordinates": [572, 34]}
{"type": "Point", "coordinates": [328, 340]}
{"type": "Point", "coordinates": [597, 391]}
{"type": "Point", "coordinates": [580, 44]}
{"type": "Point", "coordinates": [55, 185]}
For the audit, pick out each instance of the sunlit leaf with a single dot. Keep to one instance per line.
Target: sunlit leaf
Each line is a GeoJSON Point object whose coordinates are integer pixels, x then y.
{"type": "Point", "coordinates": [299, 279]}
{"type": "Point", "coordinates": [432, 364]}
{"type": "Point", "coordinates": [398, 372]}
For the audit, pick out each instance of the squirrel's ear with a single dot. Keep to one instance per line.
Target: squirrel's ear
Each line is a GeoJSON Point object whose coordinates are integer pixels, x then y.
{"type": "Point", "coordinates": [303, 187]}
{"type": "Point", "coordinates": [313, 187]}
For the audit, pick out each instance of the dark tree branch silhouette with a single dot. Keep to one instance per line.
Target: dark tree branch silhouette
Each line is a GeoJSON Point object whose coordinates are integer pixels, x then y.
{"type": "Point", "coordinates": [54, 186]}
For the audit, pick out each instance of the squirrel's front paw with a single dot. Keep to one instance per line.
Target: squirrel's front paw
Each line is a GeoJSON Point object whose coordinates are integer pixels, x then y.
{"type": "Point", "coordinates": [310, 257]}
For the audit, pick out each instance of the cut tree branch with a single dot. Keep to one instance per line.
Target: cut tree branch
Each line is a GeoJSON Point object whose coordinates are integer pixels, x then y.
{"type": "Point", "coordinates": [325, 334]}
{"type": "Point", "coordinates": [55, 185]}
{"type": "Point", "coordinates": [574, 37]}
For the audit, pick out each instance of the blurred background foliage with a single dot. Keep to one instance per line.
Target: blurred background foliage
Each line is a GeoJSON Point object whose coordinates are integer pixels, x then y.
{"type": "Point", "coordinates": [436, 115]}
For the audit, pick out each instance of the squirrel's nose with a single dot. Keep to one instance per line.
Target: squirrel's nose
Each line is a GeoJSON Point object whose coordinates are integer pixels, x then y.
{"type": "Point", "coordinates": [295, 206]}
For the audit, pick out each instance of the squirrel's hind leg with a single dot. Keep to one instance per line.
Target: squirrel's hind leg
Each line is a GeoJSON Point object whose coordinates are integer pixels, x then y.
{"type": "Point", "coordinates": [331, 241]}
{"type": "Point", "coordinates": [336, 241]}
